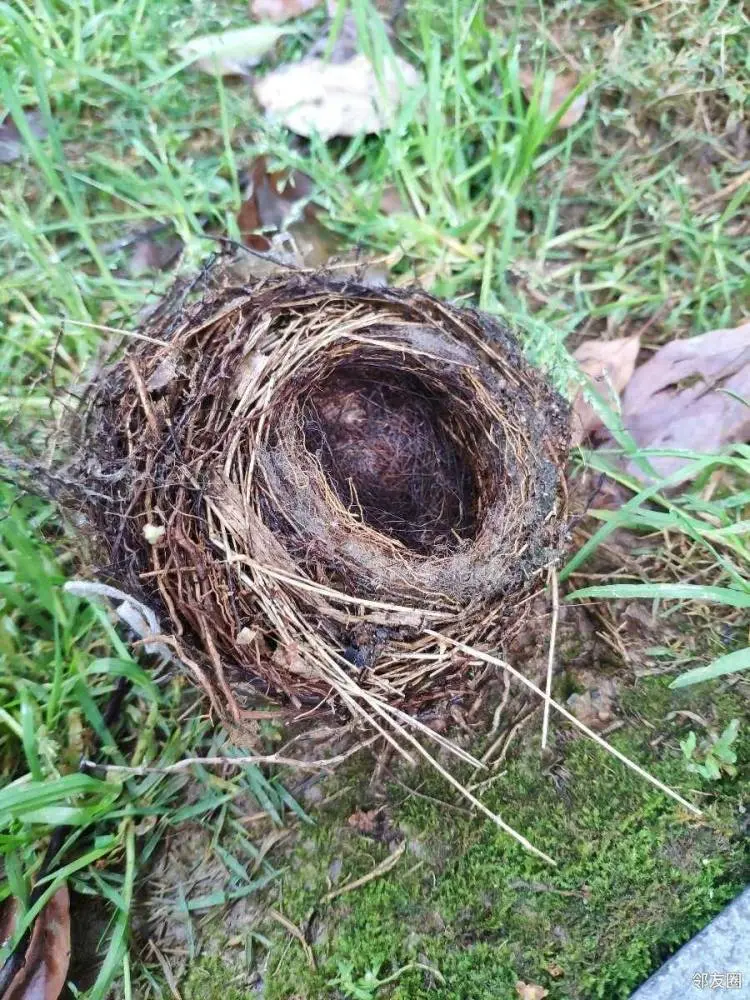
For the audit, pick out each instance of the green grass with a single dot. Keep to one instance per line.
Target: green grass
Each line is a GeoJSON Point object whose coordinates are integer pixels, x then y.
{"type": "Point", "coordinates": [61, 663]}
{"type": "Point", "coordinates": [584, 232]}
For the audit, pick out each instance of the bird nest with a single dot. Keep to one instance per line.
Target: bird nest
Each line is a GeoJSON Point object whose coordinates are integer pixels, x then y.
{"type": "Point", "coordinates": [322, 486]}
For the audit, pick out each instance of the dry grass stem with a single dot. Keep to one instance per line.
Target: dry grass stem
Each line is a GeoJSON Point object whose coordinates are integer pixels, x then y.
{"type": "Point", "coordinates": [385, 866]}
{"type": "Point", "coordinates": [555, 592]}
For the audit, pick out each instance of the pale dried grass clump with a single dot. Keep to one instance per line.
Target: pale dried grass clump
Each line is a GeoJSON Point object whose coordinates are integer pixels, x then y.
{"type": "Point", "coordinates": [303, 475]}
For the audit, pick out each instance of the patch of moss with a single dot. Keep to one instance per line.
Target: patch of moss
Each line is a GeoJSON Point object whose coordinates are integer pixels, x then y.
{"type": "Point", "coordinates": [636, 877]}
{"type": "Point", "coordinates": [210, 978]}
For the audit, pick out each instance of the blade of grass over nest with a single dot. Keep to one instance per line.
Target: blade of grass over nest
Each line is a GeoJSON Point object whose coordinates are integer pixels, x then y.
{"type": "Point", "coordinates": [488, 658]}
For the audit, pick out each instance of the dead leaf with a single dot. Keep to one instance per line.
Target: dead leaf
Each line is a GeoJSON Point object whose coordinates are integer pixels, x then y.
{"type": "Point", "coordinates": [692, 394]}
{"type": "Point", "coordinates": [11, 141]}
{"type": "Point", "coordinates": [277, 201]}
{"type": "Point", "coordinates": [555, 970]}
{"type": "Point", "coordinates": [248, 222]}
{"type": "Point", "coordinates": [280, 10]}
{"type": "Point", "coordinates": [271, 199]}
{"type": "Point", "coordinates": [610, 365]}
{"type": "Point", "coordinates": [318, 97]}
{"type": "Point", "coordinates": [562, 86]}
{"type": "Point", "coordinates": [232, 53]}
{"type": "Point", "coordinates": [364, 820]}
{"type": "Point", "coordinates": [151, 254]}
{"type": "Point", "coordinates": [530, 991]}
{"type": "Point", "coordinates": [43, 975]}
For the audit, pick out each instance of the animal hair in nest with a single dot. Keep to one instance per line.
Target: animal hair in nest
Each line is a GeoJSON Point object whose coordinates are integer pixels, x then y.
{"type": "Point", "coordinates": [304, 474]}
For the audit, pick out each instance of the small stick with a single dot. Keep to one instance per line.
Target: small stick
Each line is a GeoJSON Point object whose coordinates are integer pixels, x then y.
{"type": "Point", "coordinates": [488, 658]}
{"type": "Point", "coordinates": [377, 871]}
{"type": "Point", "coordinates": [186, 762]}
{"type": "Point", "coordinates": [730, 188]}
{"type": "Point", "coordinates": [551, 657]}
{"type": "Point", "coordinates": [295, 932]}
{"type": "Point", "coordinates": [114, 329]}
{"type": "Point", "coordinates": [143, 396]}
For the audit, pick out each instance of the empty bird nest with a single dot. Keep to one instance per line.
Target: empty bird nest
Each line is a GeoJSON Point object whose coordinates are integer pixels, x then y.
{"type": "Point", "coordinates": [320, 487]}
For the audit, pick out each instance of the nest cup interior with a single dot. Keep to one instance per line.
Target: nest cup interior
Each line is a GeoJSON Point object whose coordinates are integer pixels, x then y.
{"type": "Point", "coordinates": [336, 468]}
{"type": "Point", "coordinates": [395, 453]}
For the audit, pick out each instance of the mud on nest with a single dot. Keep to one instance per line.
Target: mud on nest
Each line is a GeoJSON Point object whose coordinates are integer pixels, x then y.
{"type": "Point", "coordinates": [303, 474]}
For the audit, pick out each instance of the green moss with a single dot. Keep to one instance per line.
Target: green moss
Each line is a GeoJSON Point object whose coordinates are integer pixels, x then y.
{"type": "Point", "coordinates": [636, 877]}
{"type": "Point", "coordinates": [211, 978]}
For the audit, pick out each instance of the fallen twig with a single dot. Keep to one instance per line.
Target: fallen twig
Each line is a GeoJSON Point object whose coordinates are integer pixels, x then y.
{"type": "Point", "coordinates": [377, 871]}
{"type": "Point", "coordinates": [188, 762]}
{"type": "Point", "coordinates": [287, 924]}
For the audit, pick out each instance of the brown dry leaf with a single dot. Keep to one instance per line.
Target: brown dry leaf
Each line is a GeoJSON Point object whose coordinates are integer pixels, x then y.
{"type": "Point", "coordinates": [562, 87]}
{"type": "Point", "coordinates": [530, 991]}
{"type": "Point", "coordinates": [232, 53]}
{"type": "Point", "coordinates": [610, 365]}
{"type": "Point", "coordinates": [273, 203]}
{"type": "Point", "coordinates": [151, 254]}
{"type": "Point", "coordinates": [692, 394]}
{"type": "Point", "coordinates": [364, 820]}
{"type": "Point", "coordinates": [280, 10]}
{"type": "Point", "coordinates": [270, 200]}
{"type": "Point", "coordinates": [555, 970]}
{"type": "Point", "coordinates": [319, 97]}
{"type": "Point", "coordinates": [43, 974]}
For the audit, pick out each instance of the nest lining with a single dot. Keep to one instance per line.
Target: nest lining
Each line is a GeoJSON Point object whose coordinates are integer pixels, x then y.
{"type": "Point", "coordinates": [324, 470]}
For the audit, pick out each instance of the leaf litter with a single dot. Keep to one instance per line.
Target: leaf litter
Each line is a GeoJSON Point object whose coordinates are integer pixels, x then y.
{"type": "Point", "coordinates": [553, 93]}
{"type": "Point", "coordinates": [279, 201]}
{"type": "Point", "coordinates": [530, 991]}
{"type": "Point", "coordinates": [45, 969]}
{"type": "Point", "coordinates": [336, 90]}
{"type": "Point", "coordinates": [692, 394]}
{"type": "Point", "coordinates": [336, 99]}
{"type": "Point", "coordinates": [609, 365]}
